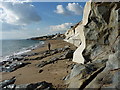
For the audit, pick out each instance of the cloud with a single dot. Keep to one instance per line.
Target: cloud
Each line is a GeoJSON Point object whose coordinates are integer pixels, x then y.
{"type": "Point", "coordinates": [75, 8]}
{"type": "Point", "coordinates": [70, 9]}
{"type": "Point", "coordinates": [60, 10]}
{"type": "Point", "coordinates": [18, 13]}
{"type": "Point", "coordinates": [61, 27]}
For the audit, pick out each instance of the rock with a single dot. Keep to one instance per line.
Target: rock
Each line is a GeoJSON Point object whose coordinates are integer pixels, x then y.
{"type": "Point", "coordinates": [76, 70]}
{"type": "Point", "coordinates": [59, 36]}
{"type": "Point", "coordinates": [114, 61]}
{"type": "Point", "coordinates": [48, 53]}
{"type": "Point", "coordinates": [109, 77]}
{"type": "Point", "coordinates": [66, 48]}
{"type": "Point", "coordinates": [66, 77]}
{"type": "Point", "coordinates": [35, 86]}
{"type": "Point", "coordinates": [9, 87]}
{"type": "Point", "coordinates": [40, 71]}
{"type": "Point", "coordinates": [44, 85]}
{"type": "Point", "coordinates": [1, 68]}
{"type": "Point", "coordinates": [43, 63]}
{"type": "Point", "coordinates": [99, 33]}
{"type": "Point", "coordinates": [18, 58]}
{"type": "Point", "coordinates": [82, 74]}
{"type": "Point", "coordinates": [21, 86]}
{"type": "Point", "coordinates": [54, 51]}
{"type": "Point", "coordinates": [68, 54]}
{"type": "Point", "coordinates": [78, 38]}
{"type": "Point", "coordinates": [7, 82]}
{"type": "Point", "coordinates": [13, 66]}
{"type": "Point", "coordinates": [73, 36]}
{"type": "Point", "coordinates": [3, 63]}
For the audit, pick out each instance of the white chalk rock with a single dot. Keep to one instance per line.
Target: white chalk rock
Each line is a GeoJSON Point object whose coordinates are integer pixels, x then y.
{"type": "Point", "coordinates": [77, 56]}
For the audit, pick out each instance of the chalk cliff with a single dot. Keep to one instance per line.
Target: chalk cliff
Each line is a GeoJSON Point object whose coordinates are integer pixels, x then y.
{"type": "Point", "coordinates": [73, 35]}
{"type": "Point", "coordinates": [98, 54]}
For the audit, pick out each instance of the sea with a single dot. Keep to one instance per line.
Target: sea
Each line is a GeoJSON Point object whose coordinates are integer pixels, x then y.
{"type": "Point", "coordinates": [17, 47]}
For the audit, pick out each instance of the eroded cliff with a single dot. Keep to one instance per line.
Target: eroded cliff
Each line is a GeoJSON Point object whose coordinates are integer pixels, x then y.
{"type": "Point", "coordinates": [100, 66]}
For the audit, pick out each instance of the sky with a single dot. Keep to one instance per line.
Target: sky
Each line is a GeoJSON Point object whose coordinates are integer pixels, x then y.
{"type": "Point", "coordinates": [22, 20]}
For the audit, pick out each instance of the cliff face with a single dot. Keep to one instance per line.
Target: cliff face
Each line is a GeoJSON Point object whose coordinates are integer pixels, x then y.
{"type": "Point", "coordinates": [101, 47]}
{"type": "Point", "coordinates": [102, 30]}
{"type": "Point", "coordinates": [100, 26]}
{"type": "Point", "coordinates": [73, 36]}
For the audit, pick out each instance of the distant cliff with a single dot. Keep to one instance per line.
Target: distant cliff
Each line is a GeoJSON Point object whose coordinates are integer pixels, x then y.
{"type": "Point", "coordinates": [99, 50]}
{"type": "Point", "coordinates": [49, 37]}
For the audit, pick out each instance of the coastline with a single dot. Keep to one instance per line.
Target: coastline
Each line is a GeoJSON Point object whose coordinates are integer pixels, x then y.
{"type": "Point", "coordinates": [21, 50]}
{"type": "Point", "coordinates": [93, 64]}
{"type": "Point", "coordinates": [52, 73]}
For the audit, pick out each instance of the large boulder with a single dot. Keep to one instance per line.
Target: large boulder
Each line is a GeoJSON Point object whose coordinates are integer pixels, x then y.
{"type": "Point", "coordinates": [81, 74]}
{"type": "Point", "coordinates": [110, 77]}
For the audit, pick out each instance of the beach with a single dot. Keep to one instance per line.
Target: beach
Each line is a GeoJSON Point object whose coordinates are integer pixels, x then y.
{"type": "Point", "coordinates": [60, 45]}
{"type": "Point", "coordinates": [53, 73]}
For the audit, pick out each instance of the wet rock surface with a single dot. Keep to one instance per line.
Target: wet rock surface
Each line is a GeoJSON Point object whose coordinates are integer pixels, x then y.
{"type": "Point", "coordinates": [12, 66]}
{"type": "Point", "coordinates": [9, 85]}
{"type": "Point", "coordinates": [7, 82]}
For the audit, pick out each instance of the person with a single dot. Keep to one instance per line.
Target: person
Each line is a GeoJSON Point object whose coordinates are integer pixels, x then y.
{"type": "Point", "coordinates": [49, 46]}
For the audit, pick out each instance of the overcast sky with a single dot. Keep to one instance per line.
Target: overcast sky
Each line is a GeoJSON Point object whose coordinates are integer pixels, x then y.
{"type": "Point", "coordinates": [25, 20]}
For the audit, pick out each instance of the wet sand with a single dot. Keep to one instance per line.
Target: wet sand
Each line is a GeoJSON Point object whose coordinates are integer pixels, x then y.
{"type": "Point", "coordinates": [52, 73]}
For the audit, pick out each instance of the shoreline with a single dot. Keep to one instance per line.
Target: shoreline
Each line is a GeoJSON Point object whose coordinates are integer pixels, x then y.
{"type": "Point", "coordinates": [52, 73]}
{"type": "Point", "coordinates": [22, 51]}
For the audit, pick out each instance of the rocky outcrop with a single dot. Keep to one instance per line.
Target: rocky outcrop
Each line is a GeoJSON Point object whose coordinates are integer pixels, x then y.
{"type": "Point", "coordinates": [101, 43]}
{"type": "Point", "coordinates": [98, 24]}
{"type": "Point", "coordinates": [101, 31]}
{"type": "Point", "coordinates": [81, 75]}
{"type": "Point", "coordinates": [11, 66]}
{"type": "Point", "coordinates": [110, 77]}
{"type": "Point", "coordinates": [46, 53]}
{"type": "Point", "coordinates": [79, 29]}
{"type": "Point", "coordinates": [9, 85]}
{"type": "Point", "coordinates": [73, 35]}
{"type": "Point", "coordinates": [68, 54]}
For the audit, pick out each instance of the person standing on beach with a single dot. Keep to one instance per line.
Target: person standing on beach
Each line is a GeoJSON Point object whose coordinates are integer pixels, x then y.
{"type": "Point", "coordinates": [49, 46]}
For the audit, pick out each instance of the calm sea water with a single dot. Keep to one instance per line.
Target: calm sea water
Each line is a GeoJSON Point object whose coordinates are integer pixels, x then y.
{"type": "Point", "coordinates": [17, 46]}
